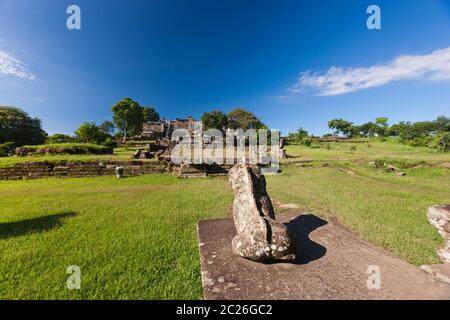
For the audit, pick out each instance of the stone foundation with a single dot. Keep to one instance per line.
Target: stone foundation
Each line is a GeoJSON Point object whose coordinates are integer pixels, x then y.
{"type": "Point", "coordinates": [199, 170]}
{"type": "Point", "coordinates": [45, 169]}
{"type": "Point", "coordinates": [37, 170]}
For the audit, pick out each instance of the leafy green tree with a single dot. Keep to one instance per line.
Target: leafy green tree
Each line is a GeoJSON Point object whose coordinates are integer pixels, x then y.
{"type": "Point", "coordinates": [89, 132]}
{"type": "Point", "coordinates": [342, 126]}
{"type": "Point", "coordinates": [240, 118]}
{"type": "Point", "coordinates": [299, 136]}
{"type": "Point", "coordinates": [442, 124]}
{"type": "Point", "coordinates": [107, 127]}
{"type": "Point", "coordinates": [415, 134]}
{"type": "Point", "coordinates": [382, 121]}
{"type": "Point", "coordinates": [150, 114]}
{"type": "Point", "coordinates": [128, 117]}
{"type": "Point", "coordinates": [215, 119]}
{"type": "Point", "coordinates": [442, 141]}
{"type": "Point", "coordinates": [382, 126]}
{"type": "Point", "coordinates": [398, 129]}
{"type": "Point", "coordinates": [18, 127]}
{"type": "Point", "coordinates": [368, 129]}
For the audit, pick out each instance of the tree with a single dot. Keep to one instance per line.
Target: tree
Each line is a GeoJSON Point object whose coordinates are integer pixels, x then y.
{"type": "Point", "coordinates": [128, 117]}
{"type": "Point", "coordinates": [150, 114]}
{"type": "Point", "coordinates": [298, 136]}
{"type": "Point", "coordinates": [342, 126]}
{"type": "Point", "coordinates": [240, 118]}
{"type": "Point", "coordinates": [107, 127]}
{"type": "Point", "coordinates": [91, 133]}
{"type": "Point", "coordinates": [382, 126]}
{"type": "Point", "coordinates": [215, 119]}
{"type": "Point", "coordinates": [442, 124]}
{"type": "Point", "coordinates": [398, 129]}
{"type": "Point", "coordinates": [368, 129]}
{"type": "Point", "coordinates": [442, 141]}
{"type": "Point", "coordinates": [18, 127]}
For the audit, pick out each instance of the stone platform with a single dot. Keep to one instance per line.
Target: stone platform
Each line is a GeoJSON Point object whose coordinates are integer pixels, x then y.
{"type": "Point", "coordinates": [332, 263]}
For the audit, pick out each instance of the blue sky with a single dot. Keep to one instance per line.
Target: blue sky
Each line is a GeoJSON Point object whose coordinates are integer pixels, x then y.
{"type": "Point", "coordinates": [293, 63]}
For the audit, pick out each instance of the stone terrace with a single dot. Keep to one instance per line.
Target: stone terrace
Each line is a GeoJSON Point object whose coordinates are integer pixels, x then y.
{"type": "Point", "coordinates": [36, 170]}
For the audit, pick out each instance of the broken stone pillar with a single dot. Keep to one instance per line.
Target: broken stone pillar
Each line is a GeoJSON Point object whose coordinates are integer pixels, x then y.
{"type": "Point", "coordinates": [439, 217]}
{"type": "Point", "coordinates": [259, 236]}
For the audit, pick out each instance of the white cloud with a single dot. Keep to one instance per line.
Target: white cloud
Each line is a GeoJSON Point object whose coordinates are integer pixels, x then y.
{"type": "Point", "coordinates": [11, 66]}
{"type": "Point", "coordinates": [339, 80]}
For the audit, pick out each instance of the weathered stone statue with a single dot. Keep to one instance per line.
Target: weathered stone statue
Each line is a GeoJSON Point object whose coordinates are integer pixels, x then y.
{"type": "Point", "coordinates": [259, 236]}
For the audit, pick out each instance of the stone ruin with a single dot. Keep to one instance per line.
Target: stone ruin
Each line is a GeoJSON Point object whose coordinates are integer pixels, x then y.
{"type": "Point", "coordinates": [77, 169]}
{"type": "Point", "coordinates": [154, 150]}
{"type": "Point", "coordinates": [439, 217]}
{"type": "Point", "coordinates": [259, 236]}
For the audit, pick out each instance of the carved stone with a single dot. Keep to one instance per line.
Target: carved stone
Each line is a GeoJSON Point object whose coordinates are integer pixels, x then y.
{"type": "Point", "coordinates": [259, 236]}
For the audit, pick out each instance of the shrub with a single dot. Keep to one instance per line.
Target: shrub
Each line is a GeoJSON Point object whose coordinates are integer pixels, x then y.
{"type": "Point", "coordinates": [110, 142]}
{"type": "Point", "coordinates": [307, 142]}
{"type": "Point", "coordinates": [379, 163]}
{"type": "Point", "coordinates": [352, 148]}
{"type": "Point", "coordinates": [59, 138]}
{"type": "Point", "coordinates": [420, 141]}
{"type": "Point", "coordinates": [6, 149]}
{"type": "Point", "coordinates": [442, 142]}
{"type": "Point", "coordinates": [89, 132]}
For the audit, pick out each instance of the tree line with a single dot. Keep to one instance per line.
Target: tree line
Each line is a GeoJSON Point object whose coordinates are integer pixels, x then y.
{"type": "Point", "coordinates": [434, 133]}
{"type": "Point", "coordinates": [17, 128]}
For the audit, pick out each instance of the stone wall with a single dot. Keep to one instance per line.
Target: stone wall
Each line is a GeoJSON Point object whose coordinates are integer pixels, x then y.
{"type": "Point", "coordinates": [36, 170]}
{"type": "Point", "coordinates": [199, 170]}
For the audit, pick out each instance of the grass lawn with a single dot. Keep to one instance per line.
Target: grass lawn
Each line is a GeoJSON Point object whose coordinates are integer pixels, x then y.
{"type": "Point", "coordinates": [374, 149]}
{"type": "Point", "coordinates": [133, 238]}
{"type": "Point", "coordinates": [136, 238]}
{"type": "Point", "coordinates": [381, 207]}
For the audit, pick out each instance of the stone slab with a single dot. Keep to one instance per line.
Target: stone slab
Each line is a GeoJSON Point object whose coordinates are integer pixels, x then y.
{"type": "Point", "coordinates": [332, 263]}
{"type": "Point", "coordinates": [440, 271]}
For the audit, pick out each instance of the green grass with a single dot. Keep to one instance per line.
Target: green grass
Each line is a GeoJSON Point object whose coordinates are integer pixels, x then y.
{"type": "Point", "coordinates": [136, 238]}
{"type": "Point", "coordinates": [365, 151]}
{"type": "Point", "coordinates": [384, 209]}
{"type": "Point", "coordinates": [381, 207]}
{"type": "Point", "coordinates": [133, 238]}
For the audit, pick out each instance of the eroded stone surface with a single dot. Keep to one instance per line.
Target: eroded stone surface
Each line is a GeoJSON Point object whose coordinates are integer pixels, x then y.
{"type": "Point", "coordinates": [259, 236]}
{"type": "Point", "coordinates": [333, 265]}
{"type": "Point", "coordinates": [439, 217]}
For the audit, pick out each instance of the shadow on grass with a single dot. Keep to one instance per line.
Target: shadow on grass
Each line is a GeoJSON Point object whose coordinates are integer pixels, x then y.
{"type": "Point", "coordinates": [300, 228]}
{"type": "Point", "coordinates": [41, 224]}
